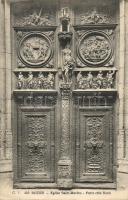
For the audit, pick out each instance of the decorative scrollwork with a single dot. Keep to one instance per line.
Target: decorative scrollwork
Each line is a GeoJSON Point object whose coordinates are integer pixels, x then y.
{"type": "Point", "coordinates": [36, 144]}
{"type": "Point", "coordinates": [99, 81]}
{"type": "Point", "coordinates": [39, 81]}
{"type": "Point", "coordinates": [94, 145]}
{"type": "Point", "coordinates": [35, 49]}
{"type": "Point", "coordinates": [95, 48]}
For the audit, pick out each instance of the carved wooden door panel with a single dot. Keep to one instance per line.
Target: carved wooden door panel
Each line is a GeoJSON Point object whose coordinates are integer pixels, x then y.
{"type": "Point", "coordinates": [37, 143]}
{"type": "Point", "coordinates": [93, 153]}
{"type": "Point", "coordinates": [64, 89]}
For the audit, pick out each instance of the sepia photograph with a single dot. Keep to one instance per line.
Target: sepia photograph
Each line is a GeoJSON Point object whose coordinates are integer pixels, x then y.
{"type": "Point", "coordinates": [63, 99]}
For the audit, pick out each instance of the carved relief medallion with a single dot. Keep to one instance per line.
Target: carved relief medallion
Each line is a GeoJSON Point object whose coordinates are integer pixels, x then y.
{"type": "Point", "coordinates": [35, 49]}
{"type": "Point", "coordinates": [95, 48]}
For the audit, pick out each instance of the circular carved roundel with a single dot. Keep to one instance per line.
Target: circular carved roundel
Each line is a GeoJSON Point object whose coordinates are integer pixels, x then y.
{"type": "Point", "coordinates": [35, 49]}
{"type": "Point", "coordinates": [95, 48]}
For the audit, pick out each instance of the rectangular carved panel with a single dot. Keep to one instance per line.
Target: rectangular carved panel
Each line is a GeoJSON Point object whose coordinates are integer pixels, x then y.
{"type": "Point", "coordinates": [36, 139]}
{"type": "Point", "coordinates": [94, 145]}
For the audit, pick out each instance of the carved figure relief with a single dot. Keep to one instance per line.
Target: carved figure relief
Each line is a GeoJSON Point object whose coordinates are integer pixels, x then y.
{"type": "Point", "coordinates": [110, 79]}
{"type": "Point", "coordinates": [95, 48]}
{"type": "Point", "coordinates": [35, 49]}
{"type": "Point", "coordinates": [96, 81]}
{"type": "Point", "coordinates": [100, 80]}
{"type": "Point", "coordinates": [94, 18]}
{"type": "Point", "coordinates": [68, 65]}
{"type": "Point", "coordinates": [33, 81]}
{"type": "Point", "coordinates": [21, 81]}
{"type": "Point", "coordinates": [35, 19]}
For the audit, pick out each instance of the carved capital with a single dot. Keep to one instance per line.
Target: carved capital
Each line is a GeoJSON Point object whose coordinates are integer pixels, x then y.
{"type": "Point", "coordinates": [65, 90]}
{"type": "Point", "coordinates": [65, 37]}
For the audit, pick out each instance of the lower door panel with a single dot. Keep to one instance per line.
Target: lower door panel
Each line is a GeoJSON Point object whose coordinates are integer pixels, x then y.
{"type": "Point", "coordinates": [94, 139]}
{"type": "Point", "coordinates": [36, 154]}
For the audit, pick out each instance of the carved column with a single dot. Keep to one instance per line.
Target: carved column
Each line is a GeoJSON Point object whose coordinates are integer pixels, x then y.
{"type": "Point", "coordinates": [65, 164]}
{"type": "Point", "coordinates": [66, 70]}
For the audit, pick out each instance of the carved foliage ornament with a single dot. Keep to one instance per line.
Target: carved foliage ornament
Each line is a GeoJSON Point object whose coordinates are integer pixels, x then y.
{"type": "Point", "coordinates": [95, 48]}
{"type": "Point", "coordinates": [36, 144]}
{"type": "Point", "coordinates": [35, 49]}
{"type": "Point", "coordinates": [94, 144]}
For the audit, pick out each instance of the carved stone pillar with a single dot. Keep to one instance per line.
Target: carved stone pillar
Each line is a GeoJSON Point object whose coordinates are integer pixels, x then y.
{"type": "Point", "coordinates": [65, 164]}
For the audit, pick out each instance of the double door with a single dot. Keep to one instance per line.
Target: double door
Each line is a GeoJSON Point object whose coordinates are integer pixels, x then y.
{"type": "Point", "coordinates": [64, 98]}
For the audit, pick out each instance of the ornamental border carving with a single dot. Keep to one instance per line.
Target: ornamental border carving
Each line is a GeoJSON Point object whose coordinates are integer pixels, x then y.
{"type": "Point", "coordinates": [97, 63]}
{"type": "Point", "coordinates": [40, 63]}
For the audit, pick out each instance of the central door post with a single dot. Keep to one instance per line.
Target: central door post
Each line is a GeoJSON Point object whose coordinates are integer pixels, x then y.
{"type": "Point", "coordinates": [65, 163]}
{"type": "Point", "coordinates": [65, 83]}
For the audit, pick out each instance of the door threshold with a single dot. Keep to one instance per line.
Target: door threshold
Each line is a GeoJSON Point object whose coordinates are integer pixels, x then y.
{"type": "Point", "coordinates": [28, 185]}
{"type": "Point", "coordinates": [95, 185]}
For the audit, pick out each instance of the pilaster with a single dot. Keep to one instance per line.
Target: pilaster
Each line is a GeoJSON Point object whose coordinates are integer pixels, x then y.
{"type": "Point", "coordinates": [123, 87]}
{"type": "Point", "coordinates": [5, 73]}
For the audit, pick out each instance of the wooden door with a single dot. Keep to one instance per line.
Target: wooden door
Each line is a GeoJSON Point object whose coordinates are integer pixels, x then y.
{"type": "Point", "coordinates": [64, 89]}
